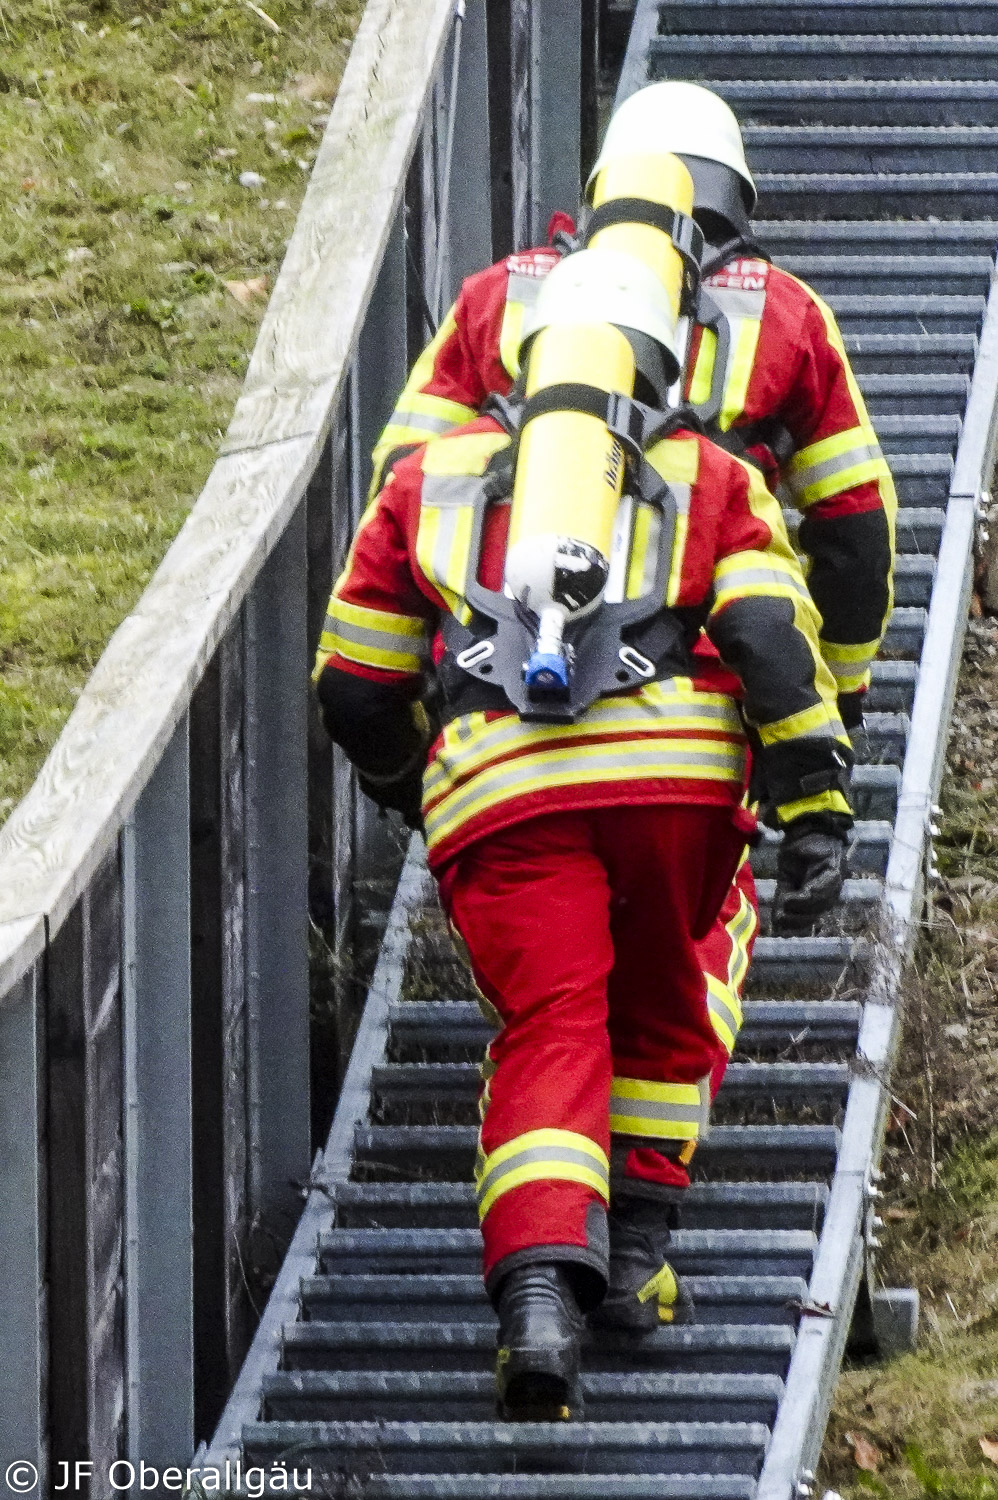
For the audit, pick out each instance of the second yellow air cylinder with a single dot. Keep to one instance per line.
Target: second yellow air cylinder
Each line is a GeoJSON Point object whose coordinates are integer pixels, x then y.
{"type": "Point", "coordinates": [569, 471]}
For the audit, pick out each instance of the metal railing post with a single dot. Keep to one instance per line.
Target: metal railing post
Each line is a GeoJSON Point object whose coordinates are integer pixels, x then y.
{"type": "Point", "coordinates": [159, 1260]}
{"type": "Point", "coordinates": [469, 228]}
{"type": "Point", "coordinates": [555, 106]}
{"type": "Point", "coordinates": [379, 375]}
{"type": "Point", "coordinates": [276, 749]}
{"type": "Point", "coordinates": [22, 1425]}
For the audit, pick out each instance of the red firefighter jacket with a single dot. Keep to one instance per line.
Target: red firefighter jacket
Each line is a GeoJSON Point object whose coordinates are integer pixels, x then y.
{"type": "Point", "coordinates": [787, 368]}
{"type": "Point", "coordinates": [679, 740]}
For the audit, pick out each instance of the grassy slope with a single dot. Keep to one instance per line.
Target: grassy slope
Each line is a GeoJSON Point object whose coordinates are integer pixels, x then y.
{"type": "Point", "coordinates": [926, 1413]}
{"type": "Point", "coordinates": [124, 128]}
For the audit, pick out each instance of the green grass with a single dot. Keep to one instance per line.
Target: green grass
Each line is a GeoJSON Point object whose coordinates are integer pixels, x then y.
{"type": "Point", "coordinates": [927, 1412]}
{"type": "Point", "coordinates": [124, 128]}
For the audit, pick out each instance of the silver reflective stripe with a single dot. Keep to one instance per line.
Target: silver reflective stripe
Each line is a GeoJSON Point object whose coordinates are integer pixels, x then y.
{"type": "Point", "coordinates": [443, 546]}
{"type": "Point", "coordinates": [651, 1109]}
{"type": "Point", "coordinates": [650, 568]}
{"type": "Point", "coordinates": [381, 640]}
{"type": "Point", "coordinates": [662, 759]}
{"type": "Point", "coordinates": [737, 303]}
{"type": "Point", "coordinates": [799, 480]}
{"type": "Point", "coordinates": [546, 1155]}
{"type": "Point", "coordinates": [524, 289]}
{"type": "Point", "coordinates": [742, 578]}
{"type": "Point", "coordinates": [448, 491]}
{"type": "Point", "coordinates": [421, 421]}
{"type": "Point", "coordinates": [720, 1007]}
{"type": "Point", "coordinates": [506, 732]}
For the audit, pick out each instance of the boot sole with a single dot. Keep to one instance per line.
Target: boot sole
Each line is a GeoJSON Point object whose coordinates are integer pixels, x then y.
{"type": "Point", "coordinates": [537, 1396]}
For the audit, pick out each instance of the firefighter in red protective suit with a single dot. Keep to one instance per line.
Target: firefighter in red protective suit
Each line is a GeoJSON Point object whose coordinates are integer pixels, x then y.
{"type": "Point", "coordinates": [790, 404]}
{"type": "Point", "coordinates": [581, 854]}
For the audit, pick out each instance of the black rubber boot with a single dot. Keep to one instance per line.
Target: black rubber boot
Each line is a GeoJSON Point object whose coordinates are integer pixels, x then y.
{"type": "Point", "coordinates": [540, 1337]}
{"type": "Point", "coordinates": [644, 1292]}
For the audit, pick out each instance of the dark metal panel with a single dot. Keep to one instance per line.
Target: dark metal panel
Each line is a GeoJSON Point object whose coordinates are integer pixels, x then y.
{"type": "Point", "coordinates": [105, 1182]}
{"type": "Point", "coordinates": [22, 1302]}
{"type": "Point", "coordinates": [156, 928]}
{"type": "Point", "coordinates": [521, 99]}
{"type": "Point", "coordinates": [67, 1193]}
{"type": "Point", "coordinates": [470, 215]}
{"type": "Point", "coordinates": [556, 65]}
{"type": "Point", "coordinates": [276, 686]}
{"type": "Point", "coordinates": [501, 122]}
{"type": "Point", "coordinates": [210, 1238]}
{"type": "Point", "coordinates": [235, 1097]}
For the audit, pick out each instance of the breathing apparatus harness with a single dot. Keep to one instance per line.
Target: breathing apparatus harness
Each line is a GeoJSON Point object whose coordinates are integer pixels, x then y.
{"type": "Point", "coordinates": [625, 643]}
{"type": "Point", "coordinates": [509, 653]}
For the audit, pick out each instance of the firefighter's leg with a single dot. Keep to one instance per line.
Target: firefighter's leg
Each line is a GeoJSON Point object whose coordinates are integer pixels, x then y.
{"type": "Point", "coordinates": [667, 865]}
{"type": "Point", "coordinates": [725, 954]}
{"type": "Point", "coordinates": [532, 907]}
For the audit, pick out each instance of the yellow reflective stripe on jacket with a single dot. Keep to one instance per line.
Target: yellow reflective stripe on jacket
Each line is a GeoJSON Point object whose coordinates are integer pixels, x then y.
{"type": "Point", "coordinates": [541, 1156]}
{"type": "Point", "coordinates": [850, 665]}
{"type": "Point", "coordinates": [643, 562]}
{"type": "Point", "coordinates": [747, 574]}
{"type": "Point", "coordinates": [677, 460]}
{"type": "Point", "coordinates": [452, 473]}
{"type": "Point", "coordinates": [521, 294]}
{"type": "Point", "coordinates": [651, 758]}
{"type": "Point", "coordinates": [659, 1111]}
{"type": "Point", "coordinates": [743, 309]}
{"type": "Point", "coordinates": [834, 464]}
{"type": "Point", "coordinates": [472, 742]}
{"type": "Point", "coordinates": [399, 432]}
{"type": "Point", "coordinates": [809, 721]}
{"type": "Point", "coordinates": [421, 418]}
{"type": "Point", "coordinates": [373, 638]}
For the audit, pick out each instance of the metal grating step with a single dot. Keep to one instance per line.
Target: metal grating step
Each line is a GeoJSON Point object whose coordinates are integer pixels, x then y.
{"type": "Point", "coordinates": [872, 17]}
{"type": "Point", "coordinates": [586, 1447]}
{"type": "Point", "coordinates": [790, 57]}
{"type": "Point", "coordinates": [410, 1151]}
{"type": "Point", "coordinates": [838, 195]}
{"type": "Point", "coordinates": [406, 1082]}
{"type": "Point", "coordinates": [705, 1348]}
{"type": "Point", "coordinates": [837, 100]}
{"type": "Point", "coordinates": [312, 1395]}
{"type": "Point", "coordinates": [877, 237]}
{"type": "Point", "coordinates": [895, 149]}
{"type": "Point", "coordinates": [449, 1026]}
{"type": "Point", "coordinates": [835, 275]}
{"type": "Point", "coordinates": [393, 1253]}
{"type": "Point", "coordinates": [670, 1486]}
{"type": "Point", "coordinates": [755, 1205]}
{"type": "Point", "coordinates": [461, 1298]}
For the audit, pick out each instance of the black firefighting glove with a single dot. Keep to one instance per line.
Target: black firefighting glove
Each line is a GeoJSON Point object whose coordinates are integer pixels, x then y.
{"type": "Point", "coordinates": [402, 792]}
{"type": "Point", "coordinates": [810, 869]}
{"type": "Point", "coordinates": [851, 710]}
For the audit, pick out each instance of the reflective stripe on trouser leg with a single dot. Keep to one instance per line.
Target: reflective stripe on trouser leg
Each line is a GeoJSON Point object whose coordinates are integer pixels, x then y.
{"type": "Point", "coordinates": [541, 1156]}
{"type": "Point", "coordinates": [659, 1111]}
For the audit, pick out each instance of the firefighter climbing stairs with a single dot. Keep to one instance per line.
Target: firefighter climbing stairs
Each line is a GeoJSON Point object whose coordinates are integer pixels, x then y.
{"type": "Point", "coordinates": [373, 1360]}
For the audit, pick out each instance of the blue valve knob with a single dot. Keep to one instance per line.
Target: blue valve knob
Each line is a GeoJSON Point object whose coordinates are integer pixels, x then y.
{"type": "Point", "coordinates": [546, 675]}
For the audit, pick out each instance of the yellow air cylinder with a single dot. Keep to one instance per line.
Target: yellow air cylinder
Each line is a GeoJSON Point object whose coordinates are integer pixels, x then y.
{"type": "Point", "coordinates": [569, 470]}
{"type": "Point", "coordinates": [657, 179]}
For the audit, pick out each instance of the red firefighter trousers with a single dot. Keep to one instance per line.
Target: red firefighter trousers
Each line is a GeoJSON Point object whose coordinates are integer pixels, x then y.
{"type": "Point", "coordinates": [582, 931]}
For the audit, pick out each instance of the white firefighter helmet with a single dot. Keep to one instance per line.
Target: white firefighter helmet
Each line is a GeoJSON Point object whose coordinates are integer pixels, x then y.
{"type": "Point", "coordinates": [604, 286]}
{"type": "Point", "coordinates": [685, 120]}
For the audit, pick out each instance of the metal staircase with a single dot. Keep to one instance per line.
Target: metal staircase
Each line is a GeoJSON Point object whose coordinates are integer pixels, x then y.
{"type": "Point", "coordinates": [373, 1359]}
